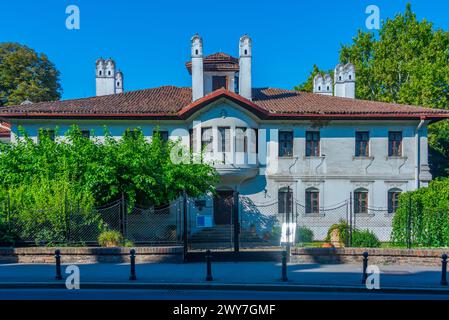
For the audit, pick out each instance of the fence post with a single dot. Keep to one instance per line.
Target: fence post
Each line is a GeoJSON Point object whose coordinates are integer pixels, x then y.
{"type": "Point", "coordinates": [58, 264]}
{"type": "Point", "coordinates": [185, 226]}
{"type": "Point", "coordinates": [365, 267]}
{"type": "Point", "coordinates": [284, 266]}
{"type": "Point", "coordinates": [444, 270]}
{"type": "Point", "coordinates": [133, 265]}
{"type": "Point", "coordinates": [350, 219]}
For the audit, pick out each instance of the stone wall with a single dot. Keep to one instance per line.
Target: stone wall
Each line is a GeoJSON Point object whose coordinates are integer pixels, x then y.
{"type": "Point", "coordinates": [412, 257]}
{"type": "Point", "coordinates": [91, 255]}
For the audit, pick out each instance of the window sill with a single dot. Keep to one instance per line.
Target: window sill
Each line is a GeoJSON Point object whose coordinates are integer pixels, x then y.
{"type": "Point", "coordinates": [287, 157]}
{"type": "Point", "coordinates": [395, 158]}
{"type": "Point", "coordinates": [313, 157]}
{"type": "Point", "coordinates": [362, 158]}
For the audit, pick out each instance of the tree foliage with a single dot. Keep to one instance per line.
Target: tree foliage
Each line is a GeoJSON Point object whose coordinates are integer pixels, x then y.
{"type": "Point", "coordinates": [406, 62]}
{"type": "Point", "coordinates": [141, 169]}
{"type": "Point", "coordinates": [26, 75]}
{"type": "Point", "coordinates": [423, 216]}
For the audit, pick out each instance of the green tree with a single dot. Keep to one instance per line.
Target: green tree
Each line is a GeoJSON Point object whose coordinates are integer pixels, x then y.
{"type": "Point", "coordinates": [408, 63]}
{"type": "Point", "coordinates": [307, 86]}
{"type": "Point", "coordinates": [26, 75]}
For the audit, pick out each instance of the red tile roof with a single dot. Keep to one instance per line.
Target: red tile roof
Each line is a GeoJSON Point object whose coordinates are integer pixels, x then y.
{"type": "Point", "coordinates": [176, 103]}
{"type": "Point", "coordinates": [217, 62]}
{"type": "Point", "coordinates": [5, 130]}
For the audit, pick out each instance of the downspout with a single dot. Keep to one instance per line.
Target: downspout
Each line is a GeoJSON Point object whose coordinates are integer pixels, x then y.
{"type": "Point", "coordinates": [417, 152]}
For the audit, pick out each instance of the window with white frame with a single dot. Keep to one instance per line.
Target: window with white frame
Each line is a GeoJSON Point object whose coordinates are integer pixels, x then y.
{"type": "Point", "coordinates": [312, 198]}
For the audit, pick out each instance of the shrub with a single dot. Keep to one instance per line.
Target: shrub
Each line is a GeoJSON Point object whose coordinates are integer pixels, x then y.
{"type": "Point", "coordinates": [110, 239]}
{"type": "Point", "coordinates": [304, 234]}
{"type": "Point", "coordinates": [343, 232]}
{"type": "Point", "coordinates": [364, 239]}
{"type": "Point", "coordinates": [423, 216]}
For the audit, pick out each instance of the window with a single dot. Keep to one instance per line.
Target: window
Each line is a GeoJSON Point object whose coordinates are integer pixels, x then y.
{"type": "Point", "coordinates": [85, 134]}
{"type": "Point", "coordinates": [48, 133]}
{"type": "Point", "coordinates": [219, 82]}
{"type": "Point", "coordinates": [254, 143]}
{"type": "Point", "coordinates": [395, 144]}
{"type": "Point", "coordinates": [312, 200]}
{"type": "Point", "coordinates": [224, 134]}
{"type": "Point", "coordinates": [100, 73]}
{"type": "Point", "coordinates": [241, 140]}
{"type": "Point", "coordinates": [312, 144]}
{"type": "Point", "coordinates": [362, 144]}
{"type": "Point", "coordinates": [163, 135]}
{"type": "Point", "coordinates": [285, 143]}
{"type": "Point", "coordinates": [206, 139]}
{"type": "Point", "coordinates": [393, 199]}
{"type": "Point", "coordinates": [361, 201]}
{"type": "Point", "coordinates": [285, 200]}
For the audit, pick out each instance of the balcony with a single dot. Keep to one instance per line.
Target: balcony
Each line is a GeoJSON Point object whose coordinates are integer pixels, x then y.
{"type": "Point", "coordinates": [234, 167]}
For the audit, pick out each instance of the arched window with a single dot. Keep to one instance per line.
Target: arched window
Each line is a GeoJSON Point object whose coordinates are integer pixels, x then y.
{"type": "Point", "coordinates": [109, 73]}
{"type": "Point", "coordinates": [99, 73]}
{"type": "Point", "coordinates": [196, 52]}
{"type": "Point", "coordinates": [361, 201]}
{"type": "Point", "coordinates": [393, 199]}
{"type": "Point", "coordinates": [118, 84]}
{"type": "Point", "coordinates": [312, 200]}
{"type": "Point", "coordinates": [285, 200]}
{"type": "Point", "coordinates": [319, 88]}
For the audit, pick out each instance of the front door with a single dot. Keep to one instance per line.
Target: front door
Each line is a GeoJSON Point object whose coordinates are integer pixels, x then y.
{"type": "Point", "coordinates": [223, 203]}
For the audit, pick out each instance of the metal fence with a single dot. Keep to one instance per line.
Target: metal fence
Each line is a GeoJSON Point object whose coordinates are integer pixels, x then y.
{"type": "Point", "coordinates": [72, 225]}
{"type": "Point", "coordinates": [262, 223]}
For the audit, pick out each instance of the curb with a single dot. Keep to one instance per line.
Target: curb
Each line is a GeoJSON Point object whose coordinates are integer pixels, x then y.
{"type": "Point", "coordinates": [224, 286]}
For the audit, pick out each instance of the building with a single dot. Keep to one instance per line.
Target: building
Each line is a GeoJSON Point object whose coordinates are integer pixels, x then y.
{"type": "Point", "coordinates": [319, 156]}
{"type": "Point", "coordinates": [5, 132]}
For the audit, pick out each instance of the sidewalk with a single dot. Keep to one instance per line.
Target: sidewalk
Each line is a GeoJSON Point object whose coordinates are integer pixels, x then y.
{"type": "Point", "coordinates": [249, 275]}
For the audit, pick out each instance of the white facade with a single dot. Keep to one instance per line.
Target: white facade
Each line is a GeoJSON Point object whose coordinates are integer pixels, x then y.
{"type": "Point", "coordinates": [331, 158]}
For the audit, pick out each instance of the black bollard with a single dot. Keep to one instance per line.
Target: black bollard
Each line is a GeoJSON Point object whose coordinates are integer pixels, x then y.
{"type": "Point", "coordinates": [284, 266]}
{"type": "Point", "coordinates": [209, 266]}
{"type": "Point", "coordinates": [365, 266]}
{"type": "Point", "coordinates": [133, 265]}
{"type": "Point", "coordinates": [444, 270]}
{"type": "Point", "coordinates": [58, 264]}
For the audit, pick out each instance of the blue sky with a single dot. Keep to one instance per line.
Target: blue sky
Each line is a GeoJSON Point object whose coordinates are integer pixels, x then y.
{"type": "Point", "coordinates": [150, 39]}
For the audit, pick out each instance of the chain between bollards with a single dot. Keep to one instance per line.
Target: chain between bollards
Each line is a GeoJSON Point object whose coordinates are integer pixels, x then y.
{"type": "Point", "coordinates": [284, 266]}
{"type": "Point", "coordinates": [444, 270]}
{"type": "Point", "coordinates": [133, 265]}
{"type": "Point", "coordinates": [209, 266]}
{"type": "Point", "coordinates": [58, 264]}
{"type": "Point", "coordinates": [365, 266]}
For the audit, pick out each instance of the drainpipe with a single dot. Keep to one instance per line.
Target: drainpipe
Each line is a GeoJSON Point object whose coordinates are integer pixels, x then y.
{"type": "Point", "coordinates": [417, 152]}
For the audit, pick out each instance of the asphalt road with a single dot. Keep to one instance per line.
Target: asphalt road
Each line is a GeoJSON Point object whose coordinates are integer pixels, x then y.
{"type": "Point", "coordinates": [56, 294]}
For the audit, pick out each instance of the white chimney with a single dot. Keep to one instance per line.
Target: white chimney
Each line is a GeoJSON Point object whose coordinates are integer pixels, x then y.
{"type": "Point", "coordinates": [245, 86]}
{"type": "Point", "coordinates": [322, 85]}
{"type": "Point", "coordinates": [107, 80]}
{"type": "Point", "coordinates": [345, 81]}
{"type": "Point", "coordinates": [197, 68]}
